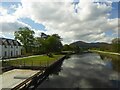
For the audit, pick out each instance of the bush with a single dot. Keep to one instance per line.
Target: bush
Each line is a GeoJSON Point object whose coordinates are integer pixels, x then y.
{"type": "Point", "coordinates": [50, 55]}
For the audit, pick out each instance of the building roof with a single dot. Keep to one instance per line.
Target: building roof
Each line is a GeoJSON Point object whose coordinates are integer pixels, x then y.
{"type": "Point", "coordinates": [5, 41]}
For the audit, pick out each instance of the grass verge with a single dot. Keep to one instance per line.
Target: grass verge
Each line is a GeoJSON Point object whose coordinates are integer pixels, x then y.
{"type": "Point", "coordinates": [114, 57]}
{"type": "Point", "coordinates": [41, 60]}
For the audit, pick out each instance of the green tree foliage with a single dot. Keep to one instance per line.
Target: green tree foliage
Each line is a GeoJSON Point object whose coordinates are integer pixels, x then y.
{"type": "Point", "coordinates": [74, 48]}
{"type": "Point", "coordinates": [53, 43]}
{"type": "Point", "coordinates": [41, 45]}
{"type": "Point", "coordinates": [44, 36]}
{"type": "Point", "coordinates": [26, 37]}
{"type": "Point", "coordinates": [49, 43]}
{"type": "Point", "coordinates": [67, 47]}
{"type": "Point", "coordinates": [116, 45]}
{"type": "Point", "coordinates": [105, 47]}
{"type": "Point", "coordinates": [37, 45]}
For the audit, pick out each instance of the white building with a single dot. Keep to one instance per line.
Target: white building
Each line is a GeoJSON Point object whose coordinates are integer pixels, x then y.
{"type": "Point", "coordinates": [9, 48]}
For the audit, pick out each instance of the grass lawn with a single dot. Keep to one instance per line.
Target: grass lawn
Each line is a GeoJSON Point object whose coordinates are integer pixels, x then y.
{"type": "Point", "coordinates": [34, 61]}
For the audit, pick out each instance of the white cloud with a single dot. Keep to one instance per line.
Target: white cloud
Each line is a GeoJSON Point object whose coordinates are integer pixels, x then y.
{"type": "Point", "coordinates": [89, 24]}
{"type": "Point", "coordinates": [8, 28]}
{"type": "Point", "coordinates": [3, 11]}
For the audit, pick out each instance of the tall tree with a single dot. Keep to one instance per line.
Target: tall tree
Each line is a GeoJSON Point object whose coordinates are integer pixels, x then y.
{"type": "Point", "coordinates": [49, 43]}
{"type": "Point", "coordinates": [44, 36]}
{"type": "Point", "coordinates": [53, 43]}
{"type": "Point", "coordinates": [26, 37]}
{"type": "Point", "coordinates": [57, 36]}
{"type": "Point", "coordinates": [67, 47]}
{"type": "Point", "coordinates": [116, 44]}
{"type": "Point", "coordinates": [41, 44]}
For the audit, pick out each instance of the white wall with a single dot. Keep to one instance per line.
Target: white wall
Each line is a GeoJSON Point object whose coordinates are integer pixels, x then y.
{"type": "Point", "coordinates": [0, 51]}
{"type": "Point", "coordinates": [10, 50]}
{"type": "Point", "coordinates": [5, 50]}
{"type": "Point", "coordinates": [17, 50]}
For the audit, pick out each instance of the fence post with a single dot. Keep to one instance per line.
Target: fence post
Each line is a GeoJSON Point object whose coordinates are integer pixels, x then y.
{"type": "Point", "coordinates": [32, 63]}
{"type": "Point", "coordinates": [24, 63]}
{"type": "Point", "coordinates": [40, 64]}
{"type": "Point", "coordinates": [47, 63]}
{"type": "Point", "coordinates": [20, 63]}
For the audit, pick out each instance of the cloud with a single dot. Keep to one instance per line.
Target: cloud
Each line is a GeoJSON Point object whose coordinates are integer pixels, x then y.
{"type": "Point", "coordinates": [9, 23]}
{"type": "Point", "coordinates": [8, 29]}
{"type": "Point", "coordinates": [3, 11]}
{"type": "Point", "coordinates": [89, 24]}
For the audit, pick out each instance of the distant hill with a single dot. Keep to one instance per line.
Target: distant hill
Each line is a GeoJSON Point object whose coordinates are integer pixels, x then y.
{"type": "Point", "coordinates": [89, 45]}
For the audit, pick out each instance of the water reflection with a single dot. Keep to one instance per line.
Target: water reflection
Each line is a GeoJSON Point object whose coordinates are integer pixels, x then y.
{"type": "Point", "coordinates": [57, 70]}
{"type": "Point", "coordinates": [82, 71]}
{"type": "Point", "coordinates": [113, 61]}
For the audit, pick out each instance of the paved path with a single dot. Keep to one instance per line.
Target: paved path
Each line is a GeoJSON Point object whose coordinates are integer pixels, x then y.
{"type": "Point", "coordinates": [14, 77]}
{"type": "Point", "coordinates": [0, 82]}
{"type": "Point", "coordinates": [20, 57]}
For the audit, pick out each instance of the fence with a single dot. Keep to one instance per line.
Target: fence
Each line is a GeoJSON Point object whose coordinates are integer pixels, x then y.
{"type": "Point", "coordinates": [33, 82]}
{"type": "Point", "coordinates": [26, 64]}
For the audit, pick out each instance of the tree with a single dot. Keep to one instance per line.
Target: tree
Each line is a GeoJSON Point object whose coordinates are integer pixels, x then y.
{"type": "Point", "coordinates": [26, 37]}
{"type": "Point", "coordinates": [53, 43]}
{"type": "Point", "coordinates": [41, 45]}
{"type": "Point", "coordinates": [49, 43]}
{"type": "Point", "coordinates": [76, 48]}
{"type": "Point", "coordinates": [44, 36]}
{"type": "Point", "coordinates": [66, 47]}
{"type": "Point", "coordinates": [57, 36]}
{"type": "Point", "coordinates": [116, 44]}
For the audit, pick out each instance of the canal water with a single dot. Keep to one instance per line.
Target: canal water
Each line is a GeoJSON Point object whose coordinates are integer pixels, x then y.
{"type": "Point", "coordinates": [84, 71]}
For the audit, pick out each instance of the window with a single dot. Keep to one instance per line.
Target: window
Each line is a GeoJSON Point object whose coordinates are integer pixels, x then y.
{"type": "Point", "coordinates": [16, 53]}
{"type": "Point", "coordinates": [11, 46]}
{"type": "Point", "coordinates": [16, 46]}
{"type": "Point", "coordinates": [5, 53]}
{"type": "Point", "coordinates": [11, 53]}
{"type": "Point", "coordinates": [5, 46]}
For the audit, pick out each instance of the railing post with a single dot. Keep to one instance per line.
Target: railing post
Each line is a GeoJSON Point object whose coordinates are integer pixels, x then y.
{"type": "Point", "coordinates": [32, 63]}
{"type": "Point", "coordinates": [24, 63]}
{"type": "Point", "coordinates": [47, 63]}
{"type": "Point", "coordinates": [40, 63]}
{"type": "Point", "coordinates": [19, 63]}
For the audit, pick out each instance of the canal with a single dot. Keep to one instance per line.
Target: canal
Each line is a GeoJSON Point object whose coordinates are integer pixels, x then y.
{"type": "Point", "coordinates": [84, 71]}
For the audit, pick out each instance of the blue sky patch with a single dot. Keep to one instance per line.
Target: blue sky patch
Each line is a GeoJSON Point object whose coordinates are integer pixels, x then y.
{"type": "Point", "coordinates": [114, 11]}
{"type": "Point", "coordinates": [8, 6]}
{"type": "Point", "coordinates": [34, 25]}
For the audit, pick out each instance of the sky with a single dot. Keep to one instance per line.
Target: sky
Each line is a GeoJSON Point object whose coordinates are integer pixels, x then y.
{"type": "Point", "coordinates": [73, 20]}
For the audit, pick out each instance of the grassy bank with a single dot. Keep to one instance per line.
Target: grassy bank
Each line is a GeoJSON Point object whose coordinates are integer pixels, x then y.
{"type": "Point", "coordinates": [114, 56]}
{"type": "Point", "coordinates": [104, 52]}
{"type": "Point", "coordinates": [33, 61]}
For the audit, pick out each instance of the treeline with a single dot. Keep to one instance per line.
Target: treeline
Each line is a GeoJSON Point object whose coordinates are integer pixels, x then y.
{"type": "Point", "coordinates": [113, 47]}
{"type": "Point", "coordinates": [38, 45]}
{"type": "Point", "coordinates": [73, 48]}
{"type": "Point", "coordinates": [81, 46]}
{"type": "Point", "coordinates": [45, 44]}
{"type": "Point", "coordinates": [116, 45]}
